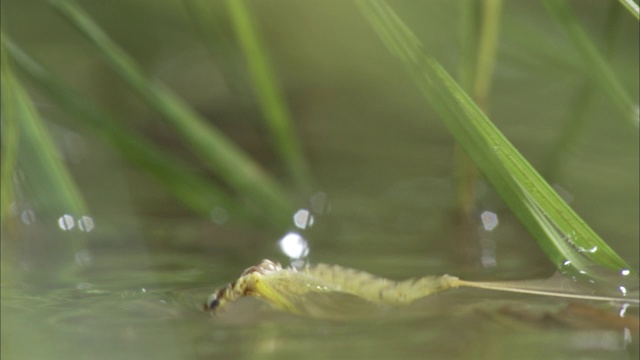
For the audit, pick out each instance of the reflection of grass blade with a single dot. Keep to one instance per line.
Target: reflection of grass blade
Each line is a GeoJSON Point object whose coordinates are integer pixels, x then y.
{"type": "Point", "coordinates": [220, 154]}
{"type": "Point", "coordinates": [195, 192]}
{"type": "Point", "coordinates": [566, 239]}
{"type": "Point", "coordinates": [48, 178]}
{"type": "Point", "coordinates": [594, 60]}
{"type": "Point", "coordinates": [275, 110]}
{"type": "Point", "coordinates": [632, 7]}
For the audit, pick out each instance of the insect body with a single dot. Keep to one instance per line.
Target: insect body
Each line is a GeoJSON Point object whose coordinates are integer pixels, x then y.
{"type": "Point", "coordinates": [291, 289]}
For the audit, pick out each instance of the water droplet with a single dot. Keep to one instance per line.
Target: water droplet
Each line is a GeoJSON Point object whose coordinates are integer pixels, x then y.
{"type": "Point", "coordinates": [625, 272]}
{"type": "Point", "coordinates": [489, 220]}
{"type": "Point", "coordinates": [86, 224]}
{"type": "Point", "coordinates": [294, 246]}
{"type": "Point", "coordinates": [66, 222]}
{"type": "Point", "coordinates": [623, 290]}
{"type": "Point", "coordinates": [302, 219]}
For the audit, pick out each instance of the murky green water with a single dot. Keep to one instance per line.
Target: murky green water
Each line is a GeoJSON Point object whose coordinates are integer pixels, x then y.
{"type": "Point", "coordinates": [132, 286]}
{"type": "Point", "coordinates": [146, 303]}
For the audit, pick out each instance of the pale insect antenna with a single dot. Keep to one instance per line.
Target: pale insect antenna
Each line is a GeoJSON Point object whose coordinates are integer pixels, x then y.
{"type": "Point", "coordinates": [523, 290]}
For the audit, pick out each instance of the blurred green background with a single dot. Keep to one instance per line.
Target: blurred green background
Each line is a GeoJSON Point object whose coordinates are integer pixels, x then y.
{"type": "Point", "coordinates": [379, 170]}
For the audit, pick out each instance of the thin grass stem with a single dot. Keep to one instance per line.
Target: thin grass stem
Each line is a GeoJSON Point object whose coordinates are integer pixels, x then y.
{"type": "Point", "coordinates": [272, 102]}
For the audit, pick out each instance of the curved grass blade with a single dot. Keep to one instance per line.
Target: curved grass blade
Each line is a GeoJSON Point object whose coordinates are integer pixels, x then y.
{"type": "Point", "coordinates": [196, 192]}
{"type": "Point", "coordinates": [214, 148]}
{"type": "Point", "coordinates": [274, 108]}
{"type": "Point", "coordinates": [595, 61]}
{"type": "Point", "coordinates": [566, 239]}
{"type": "Point", "coordinates": [52, 185]}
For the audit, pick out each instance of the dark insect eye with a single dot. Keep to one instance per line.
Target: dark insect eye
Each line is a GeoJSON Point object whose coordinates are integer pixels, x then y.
{"type": "Point", "coordinates": [212, 302]}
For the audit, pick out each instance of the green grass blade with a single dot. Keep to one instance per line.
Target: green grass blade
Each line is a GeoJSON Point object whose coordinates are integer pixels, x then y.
{"type": "Point", "coordinates": [10, 136]}
{"type": "Point", "coordinates": [480, 25]}
{"type": "Point", "coordinates": [632, 7]}
{"type": "Point", "coordinates": [566, 239]}
{"type": "Point", "coordinates": [491, 12]}
{"type": "Point", "coordinates": [595, 62]}
{"type": "Point", "coordinates": [51, 184]}
{"type": "Point", "coordinates": [276, 112]}
{"type": "Point", "coordinates": [466, 172]}
{"type": "Point", "coordinates": [469, 30]}
{"type": "Point", "coordinates": [217, 152]}
{"type": "Point", "coordinates": [194, 191]}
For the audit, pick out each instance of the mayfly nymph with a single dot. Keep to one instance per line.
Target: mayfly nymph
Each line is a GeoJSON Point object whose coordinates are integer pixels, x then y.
{"type": "Point", "coordinates": [284, 288]}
